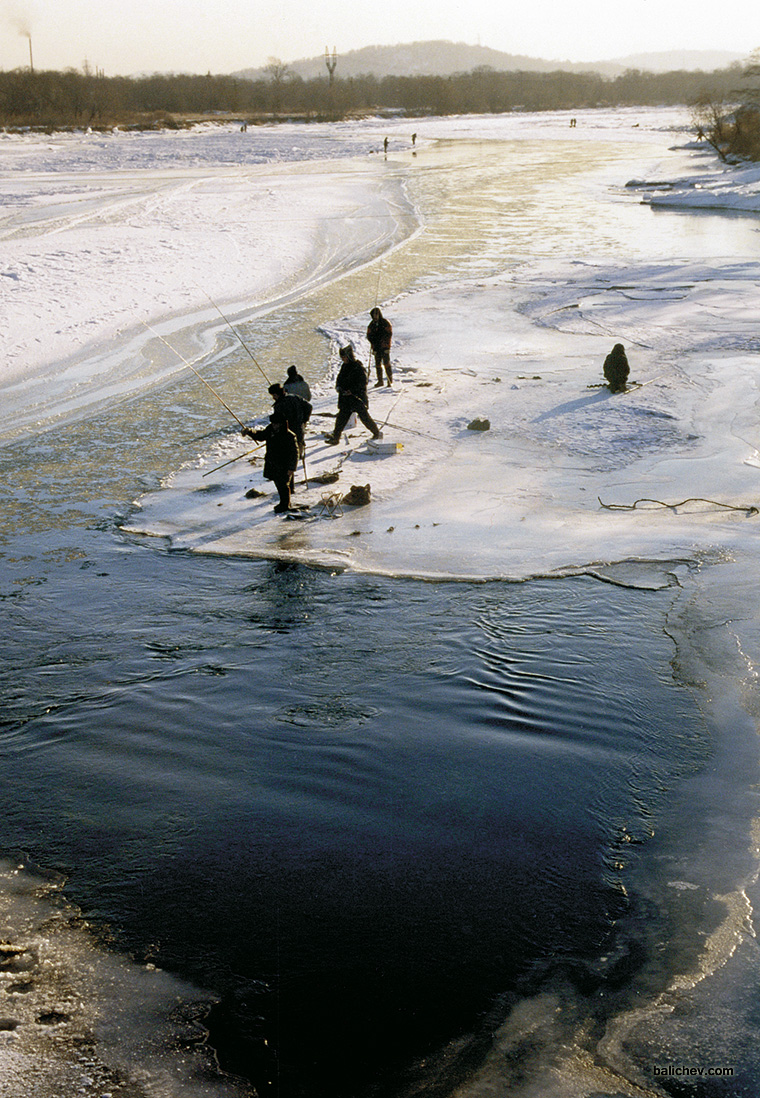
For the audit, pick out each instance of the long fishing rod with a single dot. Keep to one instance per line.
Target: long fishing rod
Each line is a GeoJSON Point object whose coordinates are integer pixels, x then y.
{"type": "Point", "coordinates": [191, 367]}
{"type": "Point", "coordinates": [409, 431]}
{"type": "Point", "coordinates": [232, 460]}
{"type": "Point", "coordinates": [398, 398]}
{"type": "Point", "coordinates": [235, 332]}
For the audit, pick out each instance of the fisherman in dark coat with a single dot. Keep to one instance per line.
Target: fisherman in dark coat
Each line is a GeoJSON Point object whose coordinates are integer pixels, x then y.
{"type": "Point", "coordinates": [296, 384]}
{"type": "Point", "coordinates": [616, 368]}
{"type": "Point", "coordinates": [380, 334]}
{"type": "Point", "coordinates": [351, 384]}
{"type": "Point", "coordinates": [293, 409]}
{"type": "Point", "coordinates": [280, 457]}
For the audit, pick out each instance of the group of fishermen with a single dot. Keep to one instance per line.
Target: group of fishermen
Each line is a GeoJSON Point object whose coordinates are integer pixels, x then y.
{"type": "Point", "coordinates": [284, 434]}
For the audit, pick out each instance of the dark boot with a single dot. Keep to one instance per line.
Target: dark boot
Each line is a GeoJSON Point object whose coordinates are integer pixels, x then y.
{"type": "Point", "coordinates": [282, 484]}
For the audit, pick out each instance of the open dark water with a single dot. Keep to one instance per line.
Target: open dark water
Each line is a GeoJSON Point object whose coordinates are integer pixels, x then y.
{"type": "Point", "coordinates": [370, 814]}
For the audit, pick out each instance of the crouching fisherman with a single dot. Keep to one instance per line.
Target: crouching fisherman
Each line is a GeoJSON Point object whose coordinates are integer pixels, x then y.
{"type": "Point", "coordinates": [280, 457]}
{"type": "Point", "coordinates": [616, 369]}
{"type": "Point", "coordinates": [351, 384]}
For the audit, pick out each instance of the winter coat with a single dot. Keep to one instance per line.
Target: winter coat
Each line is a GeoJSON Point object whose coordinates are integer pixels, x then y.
{"type": "Point", "coordinates": [281, 453]}
{"type": "Point", "coordinates": [297, 387]}
{"type": "Point", "coordinates": [380, 334]}
{"type": "Point", "coordinates": [295, 410]}
{"type": "Point", "coordinates": [616, 368]}
{"type": "Point", "coordinates": [352, 378]}
{"type": "Point", "coordinates": [296, 384]}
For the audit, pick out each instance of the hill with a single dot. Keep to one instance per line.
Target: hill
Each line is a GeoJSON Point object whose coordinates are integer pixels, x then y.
{"type": "Point", "coordinates": [441, 58]}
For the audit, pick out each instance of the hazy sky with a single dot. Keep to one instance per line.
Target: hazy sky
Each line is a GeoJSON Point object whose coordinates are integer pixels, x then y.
{"type": "Point", "coordinates": [131, 36]}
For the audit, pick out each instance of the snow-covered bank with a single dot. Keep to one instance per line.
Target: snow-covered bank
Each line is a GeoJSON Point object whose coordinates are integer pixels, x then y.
{"type": "Point", "coordinates": [733, 187]}
{"type": "Point", "coordinates": [88, 260]}
{"type": "Point", "coordinates": [79, 1019]}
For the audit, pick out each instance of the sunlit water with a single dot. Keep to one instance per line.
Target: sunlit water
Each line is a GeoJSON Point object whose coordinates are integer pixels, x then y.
{"type": "Point", "coordinates": [373, 816]}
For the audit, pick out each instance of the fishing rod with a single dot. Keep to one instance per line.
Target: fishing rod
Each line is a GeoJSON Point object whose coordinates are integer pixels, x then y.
{"type": "Point", "coordinates": [230, 462]}
{"type": "Point", "coordinates": [235, 332]}
{"type": "Point", "coordinates": [191, 367]}
{"type": "Point", "coordinates": [411, 432]}
{"type": "Point", "coordinates": [398, 398]}
{"type": "Point", "coordinates": [388, 423]}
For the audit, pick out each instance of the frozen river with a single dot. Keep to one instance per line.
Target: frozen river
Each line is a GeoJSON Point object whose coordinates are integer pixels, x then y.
{"type": "Point", "coordinates": [484, 836]}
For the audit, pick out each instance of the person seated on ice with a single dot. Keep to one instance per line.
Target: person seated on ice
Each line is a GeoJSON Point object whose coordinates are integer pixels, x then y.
{"type": "Point", "coordinates": [293, 409]}
{"type": "Point", "coordinates": [351, 384]}
{"type": "Point", "coordinates": [280, 457]}
{"type": "Point", "coordinates": [296, 384]}
{"type": "Point", "coordinates": [616, 369]}
{"type": "Point", "coordinates": [380, 334]}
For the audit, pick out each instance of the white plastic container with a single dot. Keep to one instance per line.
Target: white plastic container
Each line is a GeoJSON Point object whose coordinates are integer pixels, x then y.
{"type": "Point", "coordinates": [384, 446]}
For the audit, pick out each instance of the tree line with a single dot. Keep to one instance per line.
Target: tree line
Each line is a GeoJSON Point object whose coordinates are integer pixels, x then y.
{"type": "Point", "coordinates": [71, 99]}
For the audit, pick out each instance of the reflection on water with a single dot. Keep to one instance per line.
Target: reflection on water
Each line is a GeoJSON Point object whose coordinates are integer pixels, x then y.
{"type": "Point", "coordinates": [364, 812]}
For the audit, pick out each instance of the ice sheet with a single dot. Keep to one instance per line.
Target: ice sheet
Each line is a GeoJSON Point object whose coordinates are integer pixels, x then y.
{"type": "Point", "coordinates": [524, 497]}
{"type": "Point", "coordinates": [103, 233]}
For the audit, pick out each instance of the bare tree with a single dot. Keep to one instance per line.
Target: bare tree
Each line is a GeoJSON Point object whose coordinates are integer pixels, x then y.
{"type": "Point", "coordinates": [710, 117]}
{"type": "Point", "coordinates": [277, 70]}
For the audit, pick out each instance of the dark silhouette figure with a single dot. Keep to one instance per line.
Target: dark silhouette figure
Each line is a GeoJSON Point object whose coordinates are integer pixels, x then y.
{"type": "Point", "coordinates": [616, 369]}
{"type": "Point", "coordinates": [297, 384]}
{"type": "Point", "coordinates": [380, 334]}
{"type": "Point", "coordinates": [351, 384]}
{"type": "Point", "coordinates": [280, 457]}
{"type": "Point", "coordinates": [293, 409]}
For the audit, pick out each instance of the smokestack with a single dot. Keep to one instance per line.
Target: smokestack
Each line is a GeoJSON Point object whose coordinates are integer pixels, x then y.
{"type": "Point", "coordinates": [31, 61]}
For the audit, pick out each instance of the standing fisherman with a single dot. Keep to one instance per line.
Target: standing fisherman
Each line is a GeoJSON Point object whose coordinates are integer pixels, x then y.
{"type": "Point", "coordinates": [296, 383]}
{"type": "Point", "coordinates": [280, 457]}
{"type": "Point", "coordinates": [380, 334]}
{"type": "Point", "coordinates": [294, 410]}
{"type": "Point", "coordinates": [351, 384]}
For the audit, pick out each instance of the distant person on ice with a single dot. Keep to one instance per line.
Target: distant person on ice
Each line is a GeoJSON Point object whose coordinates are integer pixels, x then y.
{"type": "Point", "coordinates": [616, 369]}
{"type": "Point", "coordinates": [380, 334]}
{"type": "Point", "coordinates": [280, 457]}
{"type": "Point", "coordinates": [351, 384]}
{"type": "Point", "coordinates": [296, 384]}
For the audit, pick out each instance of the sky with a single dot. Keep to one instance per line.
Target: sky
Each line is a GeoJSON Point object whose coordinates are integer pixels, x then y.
{"type": "Point", "coordinates": [196, 36]}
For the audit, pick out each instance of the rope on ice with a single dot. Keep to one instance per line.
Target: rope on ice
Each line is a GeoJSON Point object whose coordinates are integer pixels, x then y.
{"type": "Point", "coordinates": [748, 509]}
